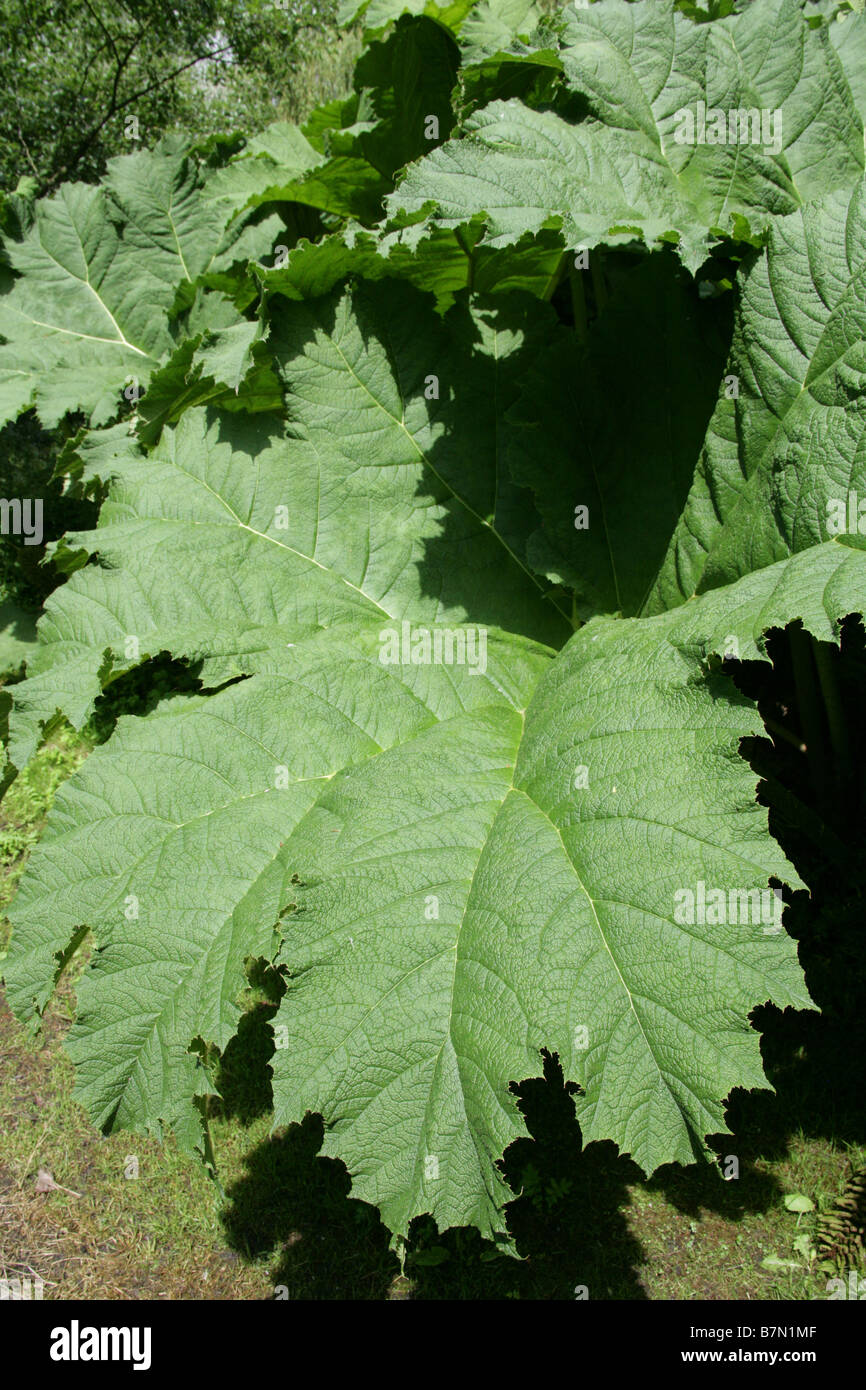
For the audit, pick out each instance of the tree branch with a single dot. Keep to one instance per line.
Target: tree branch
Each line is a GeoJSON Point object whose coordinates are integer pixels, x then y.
{"type": "Point", "coordinates": [98, 20]}
{"type": "Point", "coordinates": [115, 106]}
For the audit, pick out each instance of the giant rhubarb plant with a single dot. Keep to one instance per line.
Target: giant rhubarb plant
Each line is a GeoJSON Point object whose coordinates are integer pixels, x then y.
{"type": "Point", "coordinates": [449, 439]}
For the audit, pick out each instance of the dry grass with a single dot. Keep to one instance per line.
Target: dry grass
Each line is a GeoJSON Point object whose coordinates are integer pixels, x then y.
{"type": "Point", "coordinates": [111, 1236]}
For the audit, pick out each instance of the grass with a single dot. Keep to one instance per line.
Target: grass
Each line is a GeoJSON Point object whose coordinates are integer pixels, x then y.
{"type": "Point", "coordinates": [141, 1221]}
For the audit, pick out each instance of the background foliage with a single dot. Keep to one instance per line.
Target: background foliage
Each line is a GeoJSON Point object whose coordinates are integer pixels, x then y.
{"type": "Point", "coordinates": [72, 71]}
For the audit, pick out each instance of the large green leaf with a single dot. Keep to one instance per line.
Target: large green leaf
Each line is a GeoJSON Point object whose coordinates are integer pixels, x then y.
{"type": "Point", "coordinates": [345, 185]}
{"type": "Point", "coordinates": [223, 362]}
{"type": "Point", "coordinates": [521, 70]}
{"type": "Point", "coordinates": [378, 14]}
{"type": "Point", "coordinates": [281, 156]}
{"type": "Point", "coordinates": [99, 272]}
{"type": "Point", "coordinates": [459, 861]}
{"type": "Point", "coordinates": [531, 170]}
{"type": "Point", "coordinates": [848, 36]}
{"type": "Point", "coordinates": [463, 906]}
{"type": "Point", "coordinates": [435, 260]}
{"type": "Point", "coordinates": [206, 791]}
{"type": "Point", "coordinates": [493, 24]}
{"type": "Point", "coordinates": [17, 635]}
{"type": "Point", "coordinates": [443, 261]}
{"type": "Point", "coordinates": [464, 866]}
{"type": "Point", "coordinates": [632, 162]}
{"type": "Point", "coordinates": [402, 83]}
{"type": "Point", "coordinates": [379, 503]}
{"type": "Point", "coordinates": [77, 321]}
{"type": "Point", "coordinates": [346, 161]}
{"type": "Point", "coordinates": [639, 65]}
{"type": "Point", "coordinates": [785, 452]}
